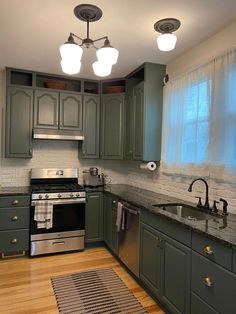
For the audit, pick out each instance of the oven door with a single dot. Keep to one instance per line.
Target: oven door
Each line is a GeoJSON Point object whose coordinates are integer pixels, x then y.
{"type": "Point", "coordinates": [68, 215]}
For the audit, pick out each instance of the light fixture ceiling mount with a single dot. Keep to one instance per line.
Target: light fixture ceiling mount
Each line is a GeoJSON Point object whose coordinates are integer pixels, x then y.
{"type": "Point", "coordinates": [166, 41]}
{"type": "Point", "coordinates": [71, 52]}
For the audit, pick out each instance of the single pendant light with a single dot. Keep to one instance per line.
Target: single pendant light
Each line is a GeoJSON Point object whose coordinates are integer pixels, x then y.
{"type": "Point", "coordinates": [166, 41]}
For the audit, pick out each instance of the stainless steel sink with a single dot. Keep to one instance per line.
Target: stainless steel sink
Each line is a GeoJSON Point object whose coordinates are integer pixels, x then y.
{"type": "Point", "coordinates": [187, 212]}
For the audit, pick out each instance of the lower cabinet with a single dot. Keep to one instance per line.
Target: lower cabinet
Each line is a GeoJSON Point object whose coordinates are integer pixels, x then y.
{"type": "Point", "coordinates": [94, 217]}
{"type": "Point", "coordinates": [165, 269]}
{"type": "Point", "coordinates": [110, 234]}
{"type": "Point", "coordinates": [214, 284]}
{"type": "Point", "coordinates": [14, 225]}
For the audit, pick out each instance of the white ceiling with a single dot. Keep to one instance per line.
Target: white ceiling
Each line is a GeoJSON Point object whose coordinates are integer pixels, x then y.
{"type": "Point", "coordinates": [31, 31]}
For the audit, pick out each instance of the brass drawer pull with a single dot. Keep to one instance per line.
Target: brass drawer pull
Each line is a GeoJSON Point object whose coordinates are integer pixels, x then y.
{"type": "Point", "coordinates": [13, 241]}
{"type": "Point", "coordinates": [207, 281]}
{"type": "Point", "coordinates": [14, 218]}
{"type": "Point", "coordinates": [208, 250]}
{"type": "Point", "coordinates": [15, 202]}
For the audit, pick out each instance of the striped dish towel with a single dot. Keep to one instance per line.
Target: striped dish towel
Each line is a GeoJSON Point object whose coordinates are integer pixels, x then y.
{"type": "Point", "coordinates": [43, 214]}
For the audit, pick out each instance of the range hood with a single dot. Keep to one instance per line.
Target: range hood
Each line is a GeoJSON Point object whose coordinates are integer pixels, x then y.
{"type": "Point", "coordinates": [49, 134]}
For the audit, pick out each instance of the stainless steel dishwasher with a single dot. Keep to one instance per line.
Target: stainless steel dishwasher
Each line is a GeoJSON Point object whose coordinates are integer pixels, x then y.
{"type": "Point", "coordinates": [129, 237]}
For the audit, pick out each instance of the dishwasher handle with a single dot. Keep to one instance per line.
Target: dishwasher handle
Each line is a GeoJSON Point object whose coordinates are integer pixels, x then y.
{"type": "Point", "coordinates": [131, 211]}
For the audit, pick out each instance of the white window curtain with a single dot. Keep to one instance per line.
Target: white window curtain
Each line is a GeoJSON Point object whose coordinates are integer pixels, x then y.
{"type": "Point", "coordinates": [199, 120]}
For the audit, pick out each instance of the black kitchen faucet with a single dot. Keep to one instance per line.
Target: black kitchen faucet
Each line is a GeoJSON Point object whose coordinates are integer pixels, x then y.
{"type": "Point", "coordinates": [206, 205]}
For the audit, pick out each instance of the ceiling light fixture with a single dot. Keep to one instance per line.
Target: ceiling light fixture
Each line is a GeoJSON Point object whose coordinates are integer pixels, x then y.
{"type": "Point", "coordinates": [71, 52]}
{"type": "Point", "coordinates": [166, 41]}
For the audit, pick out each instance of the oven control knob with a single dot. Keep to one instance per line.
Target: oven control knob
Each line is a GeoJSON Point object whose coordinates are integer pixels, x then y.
{"type": "Point", "coordinates": [77, 195]}
{"type": "Point", "coordinates": [40, 196]}
{"type": "Point", "coordinates": [46, 196]}
{"type": "Point", "coordinates": [71, 195]}
{"type": "Point", "coordinates": [59, 195]}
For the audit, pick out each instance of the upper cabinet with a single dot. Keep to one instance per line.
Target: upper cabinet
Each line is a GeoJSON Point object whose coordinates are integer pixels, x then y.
{"type": "Point", "coordinates": [19, 122]}
{"type": "Point", "coordinates": [91, 119]}
{"type": "Point", "coordinates": [143, 114]}
{"type": "Point", "coordinates": [57, 110]}
{"type": "Point", "coordinates": [112, 119]}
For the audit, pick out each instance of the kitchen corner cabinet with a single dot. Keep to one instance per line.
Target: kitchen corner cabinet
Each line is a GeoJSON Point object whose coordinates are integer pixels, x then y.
{"type": "Point", "coordinates": [57, 110]}
{"type": "Point", "coordinates": [110, 233]}
{"type": "Point", "coordinates": [143, 115]}
{"type": "Point", "coordinates": [112, 126]}
{"type": "Point", "coordinates": [19, 113]}
{"type": "Point", "coordinates": [91, 123]}
{"type": "Point", "coordinates": [94, 217]}
{"type": "Point", "coordinates": [14, 225]}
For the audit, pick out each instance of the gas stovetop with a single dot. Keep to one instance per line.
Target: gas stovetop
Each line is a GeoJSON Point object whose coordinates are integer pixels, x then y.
{"type": "Point", "coordinates": [66, 187]}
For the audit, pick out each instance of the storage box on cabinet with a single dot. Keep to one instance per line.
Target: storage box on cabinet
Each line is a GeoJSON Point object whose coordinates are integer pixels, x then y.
{"type": "Point", "coordinates": [213, 284]}
{"type": "Point", "coordinates": [212, 250]}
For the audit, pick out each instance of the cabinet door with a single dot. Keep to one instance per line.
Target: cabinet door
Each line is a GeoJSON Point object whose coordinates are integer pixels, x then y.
{"type": "Point", "coordinates": [176, 259]}
{"type": "Point", "coordinates": [94, 217]}
{"type": "Point", "coordinates": [91, 118]}
{"type": "Point", "coordinates": [138, 104]}
{"type": "Point", "coordinates": [110, 234]}
{"type": "Point", "coordinates": [112, 126]}
{"type": "Point", "coordinates": [150, 260]}
{"type": "Point", "coordinates": [70, 112]}
{"type": "Point", "coordinates": [19, 122]}
{"type": "Point", "coordinates": [45, 109]}
{"type": "Point", "coordinates": [128, 147]}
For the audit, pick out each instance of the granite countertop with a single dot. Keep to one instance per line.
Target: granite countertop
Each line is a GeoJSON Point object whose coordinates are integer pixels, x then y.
{"type": "Point", "coordinates": [14, 190]}
{"type": "Point", "coordinates": [222, 229]}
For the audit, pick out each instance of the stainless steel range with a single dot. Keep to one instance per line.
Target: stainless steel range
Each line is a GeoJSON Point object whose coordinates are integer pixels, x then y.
{"type": "Point", "coordinates": [57, 215]}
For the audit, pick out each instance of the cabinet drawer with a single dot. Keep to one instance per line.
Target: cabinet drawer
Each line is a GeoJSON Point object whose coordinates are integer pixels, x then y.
{"type": "Point", "coordinates": [14, 218]}
{"type": "Point", "coordinates": [14, 201]}
{"type": "Point", "coordinates": [200, 306]}
{"type": "Point", "coordinates": [16, 240]}
{"type": "Point", "coordinates": [171, 228]}
{"type": "Point", "coordinates": [213, 250]}
{"type": "Point", "coordinates": [214, 284]}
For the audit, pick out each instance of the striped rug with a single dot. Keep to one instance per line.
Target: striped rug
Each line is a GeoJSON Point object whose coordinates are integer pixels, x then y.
{"type": "Point", "coordinates": [96, 291]}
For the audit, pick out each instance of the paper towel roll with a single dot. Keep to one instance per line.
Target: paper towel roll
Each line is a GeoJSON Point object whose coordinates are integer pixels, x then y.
{"type": "Point", "coordinates": [151, 165]}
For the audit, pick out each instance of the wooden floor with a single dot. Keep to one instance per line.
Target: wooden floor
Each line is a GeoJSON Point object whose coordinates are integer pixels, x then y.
{"type": "Point", "coordinates": [25, 285]}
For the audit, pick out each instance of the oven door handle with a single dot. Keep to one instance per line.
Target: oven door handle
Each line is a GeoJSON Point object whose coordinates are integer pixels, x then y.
{"type": "Point", "coordinates": [64, 201]}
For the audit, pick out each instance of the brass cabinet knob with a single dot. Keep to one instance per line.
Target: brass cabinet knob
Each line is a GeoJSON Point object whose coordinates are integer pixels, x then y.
{"type": "Point", "coordinates": [14, 218]}
{"type": "Point", "coordinates": [15, 202]}
{"type": "Point", "coordinates": [13, 241]}
{"type": "Point", "coordinates": [208, 250]}
{"type": "Point", "coordinates": [114, 202]}
{"type": "Point", "coordinates": [207, 281]}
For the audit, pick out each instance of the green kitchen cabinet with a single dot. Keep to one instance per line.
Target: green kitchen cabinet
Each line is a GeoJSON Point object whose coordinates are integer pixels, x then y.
{"type": "Point", "coordinates": [19, 115]}
{"type": "Point", "coordinates": [46, 108]}
{"type": "Point", "coordinates": [91, 119]}
{"type": "Point", "coordinates": [128, 127]}
{"type": "Point", "coordinates": [110, 234]}
{"type": "Point", "coordinates": [176, 263]}
{"type": "Point", "coordinates": [94, 217]}
{"type": "Point", "coordinates": [150, 258]}
{"type": "Point", "coordinates": [14, 225]}
{"type": "Point", "coordinates": [112, 126]}
{"type": "Point", "coordinates": [71, 112]}
{"type": "Point", "coordinates": [144, 112]}
{"type": "Point", "coordinates": [57, 110]}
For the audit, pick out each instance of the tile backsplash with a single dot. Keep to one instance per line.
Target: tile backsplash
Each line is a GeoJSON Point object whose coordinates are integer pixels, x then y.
{"type": "Point", "coordinates": [64, 154]}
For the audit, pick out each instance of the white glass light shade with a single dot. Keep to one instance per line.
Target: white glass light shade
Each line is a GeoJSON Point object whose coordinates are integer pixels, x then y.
{"type": "Point", "coordinates": [107, 54]}
{"type": "Point", "coordinates": [101, 68]}
{"type": "Point", "coordinates": [70, 67]}
{"type": "Point", "coordinates": [166, 42]}
{"type": "Point", "coordinates": [71, 52]}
